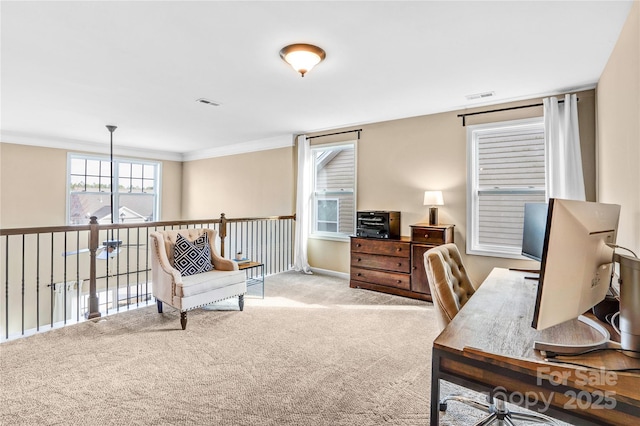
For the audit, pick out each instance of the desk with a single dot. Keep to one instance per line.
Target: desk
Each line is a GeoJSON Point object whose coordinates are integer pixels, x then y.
{"type": "Point", "coordinates": [489, 344]}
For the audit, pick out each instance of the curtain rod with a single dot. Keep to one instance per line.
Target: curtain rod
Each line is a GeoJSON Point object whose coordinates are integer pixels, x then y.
{"type": "Point", "coordinates": [464, 116]}
{"type": "Point", "coordinates": [337, 133]}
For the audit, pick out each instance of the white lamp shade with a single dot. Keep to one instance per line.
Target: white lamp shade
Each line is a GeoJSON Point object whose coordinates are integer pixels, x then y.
{"type": "Point", "coordinates": [433, 198]}
{"type": "Point", "coordinates": [302, 61]}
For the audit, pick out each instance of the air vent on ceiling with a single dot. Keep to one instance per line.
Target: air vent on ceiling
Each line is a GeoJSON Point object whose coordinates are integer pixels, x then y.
{"type": "Point", "coordinates": [480, 95]}
{"type": "Point", "coordinates": [207, 102]}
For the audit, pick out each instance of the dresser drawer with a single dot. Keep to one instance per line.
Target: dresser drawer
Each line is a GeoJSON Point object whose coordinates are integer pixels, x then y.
{"type": "Point", "coordinates": [388, 263]}
{"type": "Point", "coordinates": [428, 235]}
{"type": "Point", "coordinates": [381, 247]}
{"type": "Point", "coordinates": [389, 279]}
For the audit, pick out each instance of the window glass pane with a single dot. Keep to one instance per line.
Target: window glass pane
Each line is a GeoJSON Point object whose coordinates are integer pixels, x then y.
{"type": "Point", "coordinates": [77, 166]}
{"type": "Point", "coordinates": [149, 171]}
{"type": "Point", "coordinates": [124, 170]}
{"type": "Point", "coordinates": [93, 167]}
{"type": "Point", "coordinates": [83, 205]}
{"type": "Point", "coordinates": [328, 210]}
{"type": "Point", "coordinates": [327, 227]}
{"type": "Point", "coordinates": [105, 169]}
{"type": "Point", "coordinates": [136, 185]}
{"type": "Point", "coordinates": [136, 208]}
{"type": "Point", "coordinates": [136, 170]}
{"type": "Point", "coordinates": [149, 186]}
{"type": "Point", "coordinates": [501, 218]}
{"type": "Point", "coordinates": [77, 183]}
{"type": "Point", "coordinates": [511, 160]}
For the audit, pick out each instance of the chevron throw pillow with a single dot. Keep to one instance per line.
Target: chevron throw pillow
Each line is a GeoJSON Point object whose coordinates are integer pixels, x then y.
{"type": "Point", "coordinates": [192, 257]}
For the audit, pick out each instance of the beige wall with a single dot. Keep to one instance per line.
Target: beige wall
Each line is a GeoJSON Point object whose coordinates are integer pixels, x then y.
{"type": "Point", "coordinates": [256, 184]}
{"type": "Point", "coordinates": [33, 187]}
{"type": "Point", "coordinates": [398, 160]}
{"type": "Point", "coordinates": [618, 100]}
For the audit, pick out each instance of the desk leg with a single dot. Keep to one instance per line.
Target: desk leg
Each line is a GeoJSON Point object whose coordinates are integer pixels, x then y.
{"type": "Point", "coordinates": [435, 388]}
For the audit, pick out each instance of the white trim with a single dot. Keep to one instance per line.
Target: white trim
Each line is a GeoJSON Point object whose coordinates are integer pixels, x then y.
{"type": "Point", "coordinates": [282, 141]}
{"type": "Point", "coordinates": [102, 148]}
{"type": "Point", "coordinates": [84, 146]}
{"type": "Point", "coordinates": [330, 237]}
{"type": "Point", "coordinates": [329, 272]}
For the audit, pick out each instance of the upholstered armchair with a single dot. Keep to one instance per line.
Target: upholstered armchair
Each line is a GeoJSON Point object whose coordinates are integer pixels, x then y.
{"type": "Point", "coordinates": [188, 272]}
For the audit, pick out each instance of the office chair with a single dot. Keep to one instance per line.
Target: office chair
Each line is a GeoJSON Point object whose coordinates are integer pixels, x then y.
{"type": "Point", "coordinates": [451, 288]}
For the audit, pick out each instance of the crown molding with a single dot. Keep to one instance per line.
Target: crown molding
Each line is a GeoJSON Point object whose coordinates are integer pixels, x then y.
{"type": "Point", "coordinates": [20, 138]}
{"type": "Point", "coordinates": [100, 148]}
{"type": "Point", "coordinates": [276, 142]}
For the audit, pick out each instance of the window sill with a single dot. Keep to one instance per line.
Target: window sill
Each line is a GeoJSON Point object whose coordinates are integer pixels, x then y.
{"type": "Point", "coordinates": [489, 253]}
{"type": "Point", "coordinates": [327, 237]}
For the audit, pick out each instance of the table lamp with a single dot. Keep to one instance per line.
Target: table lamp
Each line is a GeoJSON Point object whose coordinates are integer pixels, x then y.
{"type": "Point", "coordinates": [433, 198]}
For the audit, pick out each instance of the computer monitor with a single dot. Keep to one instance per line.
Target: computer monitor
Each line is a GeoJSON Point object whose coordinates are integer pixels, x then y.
{"type": "Point", "coordinates": [577, 262]}
{"type": "Point", "coordinates": [535, 223]}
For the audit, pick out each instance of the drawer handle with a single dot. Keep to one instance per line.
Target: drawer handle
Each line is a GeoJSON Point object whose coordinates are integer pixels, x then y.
{"type": "Point", "coordinates": [358, 260]}
{"type": "Point", "coordinates": [426, 235]}
{"type": "Point", "coordinates": [399, 263]}
{"type": "Point", "coordinates": [399, 249]}
{"type": "Point", "coordinates": [399, 281]}
{"type": "Point", "coordinates": [359, 274]}
{"type": "Point", "coordinates": [358, 245]}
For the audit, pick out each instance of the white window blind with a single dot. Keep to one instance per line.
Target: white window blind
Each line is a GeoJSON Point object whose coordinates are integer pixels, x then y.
{"type": "Point", "coordinates": [506, 170]}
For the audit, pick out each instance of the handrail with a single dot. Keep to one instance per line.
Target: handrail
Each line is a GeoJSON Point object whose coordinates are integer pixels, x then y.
{"type": "Point", "coordinates": [245, 234]}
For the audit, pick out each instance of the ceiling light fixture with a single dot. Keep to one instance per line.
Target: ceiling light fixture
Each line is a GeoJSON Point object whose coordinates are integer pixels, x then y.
{"type": "Point", "coordinates": [302, 57]}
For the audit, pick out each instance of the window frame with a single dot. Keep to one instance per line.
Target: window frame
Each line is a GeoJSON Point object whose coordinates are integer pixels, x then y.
{"type": "Point", "coordinates": [116, 194]}
{"type": "Point", "coordinates": [473, 246]}
{"type": "Point", "coordinates": [325, 235]}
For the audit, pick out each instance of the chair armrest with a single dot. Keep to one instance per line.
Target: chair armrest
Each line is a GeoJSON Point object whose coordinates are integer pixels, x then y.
{"type": "Point", "coordinates": [164, 276]}
{"type": "Point", "coordinates": [219, 262]}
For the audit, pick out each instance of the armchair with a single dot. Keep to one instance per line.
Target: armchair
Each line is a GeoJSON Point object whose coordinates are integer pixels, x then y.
{"type": "Point", "coordinates": [185, 292]}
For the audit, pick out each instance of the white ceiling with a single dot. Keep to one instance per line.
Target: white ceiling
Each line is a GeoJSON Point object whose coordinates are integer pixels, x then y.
{"type": "Point", "coordinates": [70, 68]}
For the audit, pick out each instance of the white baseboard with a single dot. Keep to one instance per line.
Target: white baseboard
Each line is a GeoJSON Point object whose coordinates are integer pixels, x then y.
{"type": "Point", "coordinates": [336, 274]}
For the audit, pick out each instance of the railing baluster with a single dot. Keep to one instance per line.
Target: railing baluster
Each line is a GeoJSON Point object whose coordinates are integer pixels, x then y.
{"type": "Point", "coordinates": [23, 283]}
{"type": "Point", "coordinates": [37, 282]}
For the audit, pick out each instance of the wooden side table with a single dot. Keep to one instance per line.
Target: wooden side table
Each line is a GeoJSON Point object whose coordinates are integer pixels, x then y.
{"type": "Point", "coordinates": [252, 279]}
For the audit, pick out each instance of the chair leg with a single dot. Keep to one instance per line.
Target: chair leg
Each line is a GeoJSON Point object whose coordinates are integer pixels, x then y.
{"type": "Point", "coordinates": [159, 303]}
{"type": "Point", "coordinates": [241, 302]}
{"type": "Point", "coordinates": [183, 320]}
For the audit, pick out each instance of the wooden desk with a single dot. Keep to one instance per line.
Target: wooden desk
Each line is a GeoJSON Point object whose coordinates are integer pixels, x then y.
{"type": "Point", "coordinates": [489, 344]}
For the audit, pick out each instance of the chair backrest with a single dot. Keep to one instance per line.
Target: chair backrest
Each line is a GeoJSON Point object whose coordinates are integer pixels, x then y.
{"type": "Point", "coordinates": [449, 283]}
{"type": "Point", "coordinates": [169, 238]}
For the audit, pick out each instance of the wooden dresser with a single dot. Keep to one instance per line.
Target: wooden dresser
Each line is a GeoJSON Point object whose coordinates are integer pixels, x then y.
{"type": "Point", "coordinates": [396, 266]}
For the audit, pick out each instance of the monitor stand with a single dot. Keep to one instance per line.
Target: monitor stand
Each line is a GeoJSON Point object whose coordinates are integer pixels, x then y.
{"type": "Point", "coordinates": [550, 350]}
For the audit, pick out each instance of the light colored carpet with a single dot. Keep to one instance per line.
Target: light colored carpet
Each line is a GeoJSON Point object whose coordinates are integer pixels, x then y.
{"type": "Point", "coordinates": [313, 352]}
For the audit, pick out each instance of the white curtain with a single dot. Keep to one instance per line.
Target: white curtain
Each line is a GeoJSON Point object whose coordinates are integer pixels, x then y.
{"type": "Point", "coordinates": [303, 206]}
{"type": "Point", "coordinates": [563, 158]}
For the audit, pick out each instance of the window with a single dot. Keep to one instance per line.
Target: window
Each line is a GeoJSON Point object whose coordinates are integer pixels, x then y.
{"type": "Point", "coordinates": [89, 190]}
{"type": "Point", "coordinates": [334, 183]}
{"type": "Point", "coordinates": [506, 169]}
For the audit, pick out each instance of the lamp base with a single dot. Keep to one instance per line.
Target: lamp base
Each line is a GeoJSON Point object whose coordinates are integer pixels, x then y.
{"type": "Point", "coordinates": [433, 215]}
